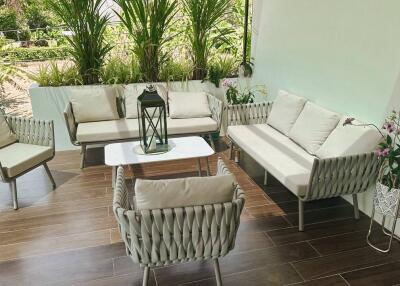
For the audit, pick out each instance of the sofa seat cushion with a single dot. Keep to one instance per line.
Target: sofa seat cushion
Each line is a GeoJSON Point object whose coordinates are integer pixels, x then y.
{"type": "Point", "coordinates": [191, 125]}
{"type": "Point", "coordinates": [19, 157]}
{"type": "Point", "coordinates": [280, 156]}
{"type": "Point", "coordinates": [285, 110]}
{"type": "Point", "coordinates": [107, 130]}
{"type": "Point", "coordinates": [186, 192]}
{"type": "Point", "coordinates": [349, 140]}
{"type": "Point", "coordinates": [313, 127]}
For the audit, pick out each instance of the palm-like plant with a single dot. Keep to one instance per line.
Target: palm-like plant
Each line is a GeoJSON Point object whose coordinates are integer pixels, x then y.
{"type": "Point", "coordinates": [87, 22]}
{"type": "Point", "coordinates": [204, 18]}
{"type": "Point", "coordinates": [147, 22]}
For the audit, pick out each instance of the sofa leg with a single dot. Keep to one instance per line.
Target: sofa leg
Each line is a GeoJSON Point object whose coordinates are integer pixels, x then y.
{"type": "Point", "coordinates": [237, 156]}
{"type": "Point", "coordinates": [265, 177]}
{"type": "Point", "coordinates": [50, 175]}
{"type": "Point", "coordinates": [355, 205]}
{"type": "Point", "coordinates": [217, 272]}
{"type": "Point", "coordinates": [13, 186]}
{"type": "Point", "coordinates": [83, 152]}
{"type": "Point", "coordinates": [146, 276]}
{"type": "Point", "coordinates": [231, 151]}
{"type": "Point", "coordinates": [301, 215]}
{"type": "Point", "coordinates": [211, 141]}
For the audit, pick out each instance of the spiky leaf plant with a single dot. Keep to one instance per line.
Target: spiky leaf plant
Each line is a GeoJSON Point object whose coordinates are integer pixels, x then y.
{"type": "Point", "coordinates": [203, 31]}
{"type": "Point", "coordinates": [148, 22]}
{"type": "Point", "coordinates": [87, 21]}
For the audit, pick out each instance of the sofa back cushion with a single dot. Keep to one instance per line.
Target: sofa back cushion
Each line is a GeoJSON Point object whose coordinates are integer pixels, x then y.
{"type": "Point", "coordinates": [313, 126]}
{"type": "Point", "coordinates": [188, 105]}
{"type": "Point", "coordinates": [131, 94]}
{"type": "Point", "coordinates": [7, 137]}
{"type": "Point", "coordinates": [99, 105]}
{"type": "Point", "coordinates": [174, 193]}
{"type": "Point", "coordinates": [349, 140]}
{"type": "Point", "coordinates": [285, 110]}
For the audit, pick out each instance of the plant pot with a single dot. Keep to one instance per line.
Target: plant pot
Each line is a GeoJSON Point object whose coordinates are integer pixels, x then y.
{"type": "Point", "coordinates": [386, 200]}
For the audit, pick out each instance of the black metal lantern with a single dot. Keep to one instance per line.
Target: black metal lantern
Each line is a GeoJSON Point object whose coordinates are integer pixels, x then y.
{"type": "Point", "coordinates": [152, 118]}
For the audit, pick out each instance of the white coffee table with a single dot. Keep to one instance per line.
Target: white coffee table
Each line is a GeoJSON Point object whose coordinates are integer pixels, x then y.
{"type": "Point", "coordinates": [123, 154]}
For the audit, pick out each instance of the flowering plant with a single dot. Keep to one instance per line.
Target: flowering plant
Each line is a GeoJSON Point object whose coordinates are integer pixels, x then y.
{"type": "Point", "coordinates": [388, 150]}
{"type": "Point", "coordinates": [235, 94]}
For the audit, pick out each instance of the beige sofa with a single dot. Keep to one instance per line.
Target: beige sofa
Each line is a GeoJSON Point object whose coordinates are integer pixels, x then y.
{"type": "Point", "coordinates": [306, 147]}
{"type": "Point", "coordinates": [107, 117]}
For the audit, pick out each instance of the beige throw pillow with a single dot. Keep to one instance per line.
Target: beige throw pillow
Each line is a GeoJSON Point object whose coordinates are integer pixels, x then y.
{"type": "Point", "coordinates": [349, 140]}
{"type": "Point", "coordinates": [185, 192]}
{"type": "Point", "coordinates": [188, 105]}
{"type": "Point", "coordinates": [7, 137]}
{"type": "Point", "coordinates": [95, 105]}
{"type": "Point", "coordinates": [313, 127]}
{"type": "Point", "coordinates": [285, 110]}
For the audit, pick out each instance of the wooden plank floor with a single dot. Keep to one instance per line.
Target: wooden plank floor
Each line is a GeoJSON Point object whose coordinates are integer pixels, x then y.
{"type": "Point", "coordinates": [69, 236]}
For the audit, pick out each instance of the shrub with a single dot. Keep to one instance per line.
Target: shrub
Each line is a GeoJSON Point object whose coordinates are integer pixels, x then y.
{"type": "Point", "coordinates": [118, 71]}
{"type": "Point", "coordinates": [176, 71]}
{"type": "Point", "coordinates": [203, 32]}
{"type": "Point", "coordinates": [147, 22]}
{"type": "Point", "coordinates": [222, 67]}
{"type": "Point", "coordinates": [88, 22]}
{"type": "Point", "coordinates": [14, 27]}
{"type": "Point", "coordinates": [34, 54]}
{"type": "Point", "coordinates": [53, 74]}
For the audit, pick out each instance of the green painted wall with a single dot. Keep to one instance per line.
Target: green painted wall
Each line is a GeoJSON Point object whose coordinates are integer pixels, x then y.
{"type": "Point", "coordinates": [342, 54]}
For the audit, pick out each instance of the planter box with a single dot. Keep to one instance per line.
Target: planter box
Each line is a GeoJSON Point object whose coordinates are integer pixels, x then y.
{"type": "Point", "coordinates": [48, 103]}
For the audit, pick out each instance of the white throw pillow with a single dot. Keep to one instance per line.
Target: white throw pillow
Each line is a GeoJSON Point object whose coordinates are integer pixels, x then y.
{"type": "Point", "coordinates": [7, 137]}
{"type": "Point", "coordinates": [132, 93]}
{"type": "Point", "coordinates": [349, 140]}
{"type": "Point", "coordinates": [285, 110]}
{"type": "Point", "coordinates": [95, 105]}
{"type": "Point", "coordinates": [188, 105]}
{"type": "Point", "coordinates": [196, 191]}
{"type": "Point", "coordinates": [313, 126]}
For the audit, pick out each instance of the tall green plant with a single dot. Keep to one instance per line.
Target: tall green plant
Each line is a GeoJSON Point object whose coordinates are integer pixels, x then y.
{"type": "Point", "coordinates": [147, 22]}
{"type": "Point", "coordinates": [87, 22]}
{"type": "Point", "coordinates": [203, 31]}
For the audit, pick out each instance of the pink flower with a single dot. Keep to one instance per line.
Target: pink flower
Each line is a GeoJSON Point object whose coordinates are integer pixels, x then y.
{"type": "Point", "coordinates": [227, 83]}
{"type": "Point", "coordinates": [389, 126]}
{"type": "Point", "coordinates": [385, 152]}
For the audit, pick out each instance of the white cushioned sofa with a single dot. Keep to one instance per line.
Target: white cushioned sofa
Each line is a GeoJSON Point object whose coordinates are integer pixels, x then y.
{"type": "Point", "coordinates": [106, 116]}
{"type": "Point", "coordinates": [306, 147]}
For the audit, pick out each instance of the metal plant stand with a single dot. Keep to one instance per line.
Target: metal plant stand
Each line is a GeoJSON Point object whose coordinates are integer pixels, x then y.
{"type": "Point", "coordinates": [387, 202]}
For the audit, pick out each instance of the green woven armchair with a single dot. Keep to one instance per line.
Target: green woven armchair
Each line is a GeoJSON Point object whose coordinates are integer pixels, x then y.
{"type": "Point", "coordinates": [167, 236]}
{"type": "Point", "coordinates": [33, 147]}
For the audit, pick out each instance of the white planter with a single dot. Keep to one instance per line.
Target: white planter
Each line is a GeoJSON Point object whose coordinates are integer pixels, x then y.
{"type": "Point", "coordinates": [386, 201]}
{"type": "Point", "coordinates": [48, 103]}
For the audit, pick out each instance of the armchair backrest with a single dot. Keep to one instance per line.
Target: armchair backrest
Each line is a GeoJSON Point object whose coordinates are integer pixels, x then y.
{"type": "Point", "coordinates": [165, 236]}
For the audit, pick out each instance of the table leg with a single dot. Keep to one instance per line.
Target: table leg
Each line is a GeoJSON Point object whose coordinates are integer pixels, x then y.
{"type": "Point", "coordinates": [114, 175]}
{"type": "Point", "coordinates": [208, 167]}
{"type": "Point", "coordinates": [199, 166]}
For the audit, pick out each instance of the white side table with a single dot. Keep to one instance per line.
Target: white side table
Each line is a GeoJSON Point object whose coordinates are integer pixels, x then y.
{"type": "Point", "coordinates": [123, 154]}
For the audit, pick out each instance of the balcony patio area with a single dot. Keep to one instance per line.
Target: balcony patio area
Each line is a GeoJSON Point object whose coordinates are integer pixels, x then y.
{"type": "Point", "coordinates": [69, 236]}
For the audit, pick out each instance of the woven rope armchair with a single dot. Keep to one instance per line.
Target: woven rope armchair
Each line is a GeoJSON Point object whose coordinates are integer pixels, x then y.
{"type": "Point", "coordinates": [332, 177]}
{"type": "Point", "coordinates": [166, 236]}
{"type": "Point", "coordinates": [34, 147]}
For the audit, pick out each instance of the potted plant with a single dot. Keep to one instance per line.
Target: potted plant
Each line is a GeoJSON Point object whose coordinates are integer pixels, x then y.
{"type": "Point", "coordinates": [236, 94]}
{"type": "Point", "coordinates": [386, 200]}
